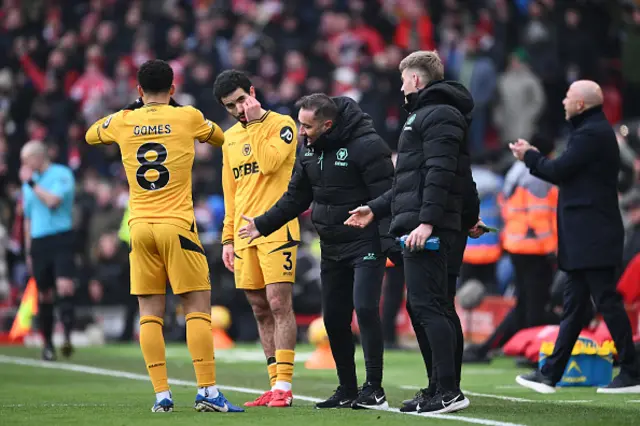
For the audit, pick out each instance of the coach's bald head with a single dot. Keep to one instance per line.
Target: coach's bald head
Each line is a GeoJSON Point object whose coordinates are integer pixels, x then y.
{"type": "Point", "coordinates": [581, 96]}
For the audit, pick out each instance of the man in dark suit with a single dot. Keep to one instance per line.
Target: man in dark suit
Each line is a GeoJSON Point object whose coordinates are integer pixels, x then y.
{"type": "Point", "coordinates": [590, 235]}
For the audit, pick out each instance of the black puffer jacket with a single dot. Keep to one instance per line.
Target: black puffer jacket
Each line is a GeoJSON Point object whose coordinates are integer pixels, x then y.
{"type": "Point", "coordinates": [432, 170]}
{"type": "Point", "coordinates": [343, 169]}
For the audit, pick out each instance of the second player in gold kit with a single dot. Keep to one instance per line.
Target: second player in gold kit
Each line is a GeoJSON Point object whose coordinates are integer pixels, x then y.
{"type": "Point", "coordinates": [257, 165]}
{"type": "Point", "coordinates": [258, 158]}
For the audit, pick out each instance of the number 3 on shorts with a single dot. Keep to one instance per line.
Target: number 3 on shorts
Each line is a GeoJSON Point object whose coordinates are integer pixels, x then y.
{"type": "Point", "coordinates": [288, 264]}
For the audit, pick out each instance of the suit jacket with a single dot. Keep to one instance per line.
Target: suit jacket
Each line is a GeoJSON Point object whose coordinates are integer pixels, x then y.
{"type": "Point", "coordinates": [590, 232]}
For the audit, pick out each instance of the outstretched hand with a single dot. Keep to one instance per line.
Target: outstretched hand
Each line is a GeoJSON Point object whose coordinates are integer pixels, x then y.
{"type": "Point", "coordinates": [249, 230]}
{"type": "Point", "coordinates": [360, 217]}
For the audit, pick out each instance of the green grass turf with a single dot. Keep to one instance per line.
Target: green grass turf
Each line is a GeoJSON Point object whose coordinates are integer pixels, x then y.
{"type": "Point", "coordinates": [31, 395]}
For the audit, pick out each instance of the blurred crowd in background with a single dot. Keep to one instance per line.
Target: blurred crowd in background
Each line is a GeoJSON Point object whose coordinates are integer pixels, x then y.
{"type": "Point", "coordinates": [64, 64]}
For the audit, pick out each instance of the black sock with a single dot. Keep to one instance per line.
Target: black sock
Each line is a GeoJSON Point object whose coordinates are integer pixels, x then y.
{"type": "Point", "coordinates": [45, 320]}
{"type": "Point", "coordinates": [67, 315]}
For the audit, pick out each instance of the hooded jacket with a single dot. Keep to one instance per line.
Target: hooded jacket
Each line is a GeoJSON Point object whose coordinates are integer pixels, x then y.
{"type": "Point", "coordinates": [344, 168]}
{"type": "Point", "coordinates": [433, 166]}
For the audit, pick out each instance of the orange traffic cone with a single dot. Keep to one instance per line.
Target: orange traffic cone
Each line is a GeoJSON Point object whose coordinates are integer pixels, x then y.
{"type": "Point", "coordinates": [220, 321]}
{"type": "Point", "coordinates": [321, 358]}
{"type": "Point", "coordinates": [221, 339]}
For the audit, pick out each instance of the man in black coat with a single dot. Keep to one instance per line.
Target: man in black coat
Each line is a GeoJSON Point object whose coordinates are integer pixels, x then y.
{"type": "Point", "coordinates": [472, 226]}
{"type": "Point", "coordinates": [427, 200]}
{"type": "Point", "coordinates": [343, 164]}
{"type": "Point", "coordinates": [590, 235]}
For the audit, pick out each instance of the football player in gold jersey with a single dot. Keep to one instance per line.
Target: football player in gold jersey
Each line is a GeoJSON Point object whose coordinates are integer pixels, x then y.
{"type": "Point", "coordinates": [258, 158]}
{"type": "Point", "coordinates": [157, 146]}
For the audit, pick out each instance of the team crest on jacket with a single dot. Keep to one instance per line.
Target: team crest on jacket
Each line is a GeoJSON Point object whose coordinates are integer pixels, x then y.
{"type": "Point", "coordinates": [246, 149]}
{"type": "Point", "coordinates": [342, 154]}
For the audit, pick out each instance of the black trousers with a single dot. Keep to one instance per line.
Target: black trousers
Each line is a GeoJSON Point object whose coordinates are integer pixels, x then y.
{"type": "Point", "coordinates": [599, 284]}
{"type": "Point", "coordinates": [347, 285]}
{"type": "Point", "coordinates": [533, 279]}
{"type": "Point", "coordinates": [393, 293]}
{"type": "Point", "coordinates": [430, 307]}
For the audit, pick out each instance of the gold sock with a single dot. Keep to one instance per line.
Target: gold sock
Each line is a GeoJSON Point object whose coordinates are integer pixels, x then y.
{"type": "Point", "coordinates": [272, 369]}
{"type": "Point", "coordinates": [200, 344]}
{"type": "Point", "coordinates": [284, 359]}
{"type": "Point", "coordinates": [153, 351]}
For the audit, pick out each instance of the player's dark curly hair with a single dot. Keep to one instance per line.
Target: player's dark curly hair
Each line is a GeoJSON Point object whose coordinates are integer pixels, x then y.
{"type": "Point", "coordinates": [155, 76]}
{"type": "Point", "coordinates": [228, 81]}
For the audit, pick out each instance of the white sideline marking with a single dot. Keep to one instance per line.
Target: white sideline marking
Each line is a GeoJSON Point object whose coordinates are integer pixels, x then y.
{"type": "Point", "coordinates": [140, 377]}
{"type": "Point", "coordinates": [513, 398]}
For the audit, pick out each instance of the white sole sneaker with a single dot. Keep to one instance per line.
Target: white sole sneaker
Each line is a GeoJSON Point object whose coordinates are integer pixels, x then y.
{"type": "Point", "coordinates": [384, 406]}
{"type": "Point", "coordinates": [536, 386]}
{"type": "Point", "coordinates": [451, 408]}
{"type": "Point", "coordinates": [627, 389]}
{"type": "Point", "coordinates": [465, 403]}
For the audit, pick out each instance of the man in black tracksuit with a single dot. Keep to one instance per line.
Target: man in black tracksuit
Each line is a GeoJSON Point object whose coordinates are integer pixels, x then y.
{"type": "Point", "coordinates": [343, 164]}
{"type": "Point", "coordinates": [471, 227]}
{"type": "Point", "coordinates": [427, 200]}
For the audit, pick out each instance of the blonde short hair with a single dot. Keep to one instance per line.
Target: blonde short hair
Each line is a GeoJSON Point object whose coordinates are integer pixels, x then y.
{"type": "Point", "coordinates": [426, 62]}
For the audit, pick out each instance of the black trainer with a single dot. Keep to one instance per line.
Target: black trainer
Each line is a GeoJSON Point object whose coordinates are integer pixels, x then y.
{"type": "Point", "coordinates": [370, 396]}
{"type": "Point", "coordinates": [411, 405]}
{"type": "Point", "coordinates": [441, 403]}
{"type": "Point", "coordinates": [67, 349]}
{"type": "Point", "coordinates": [49, 353]}
{"type": "Point", "coordinates": [341, 398]}
{"type": "Point", "coordinates": [622, 383]}
{"type": "Point", "coordinates": [475, 355]}
{"type": "Point", "coordinates": [537, 382]}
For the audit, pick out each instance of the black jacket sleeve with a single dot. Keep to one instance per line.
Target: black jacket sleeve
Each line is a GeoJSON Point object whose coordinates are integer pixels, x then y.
{"type": "Point", "coordinates": [581, 150]}
{"type": "Point", "coordinates": [442, 132]}
{"type": "Point", "coordinates": [381, 206]}
{"type": "Point", "coordinates": [293, 203]}
{"type": "Point", "coordinates": [377, 170]}
{"type": "Point", "coordinates": [470, 203]}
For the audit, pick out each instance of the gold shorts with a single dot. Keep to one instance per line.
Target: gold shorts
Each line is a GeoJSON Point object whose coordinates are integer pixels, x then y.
{"type": "Point", "coordinates": [267, 263]}
{"type": "Point", "coordinates": [161, 252]}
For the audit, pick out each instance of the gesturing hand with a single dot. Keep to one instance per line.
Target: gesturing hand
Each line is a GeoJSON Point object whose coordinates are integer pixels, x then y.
{"type": "Point", "coordinates": [252, 109]}
{"type": "Point", "coordinates": [249, 230]}
{"type": "Point", "coordinates": [360, 217]}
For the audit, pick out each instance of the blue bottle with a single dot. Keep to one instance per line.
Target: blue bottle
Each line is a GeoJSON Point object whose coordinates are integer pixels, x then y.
{"type": "Point", "coordinates": [432, 243]}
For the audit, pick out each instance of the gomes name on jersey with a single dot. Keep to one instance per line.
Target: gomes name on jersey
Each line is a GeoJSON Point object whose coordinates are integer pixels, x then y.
{"type": "Point", "coordinates": [245, 169]}
{"type": "Point", "coordinates": [160, 129]}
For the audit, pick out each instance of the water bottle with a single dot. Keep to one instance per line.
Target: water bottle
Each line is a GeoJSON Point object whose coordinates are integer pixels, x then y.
{"type": "Point", "coordinates": [432, 243]}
